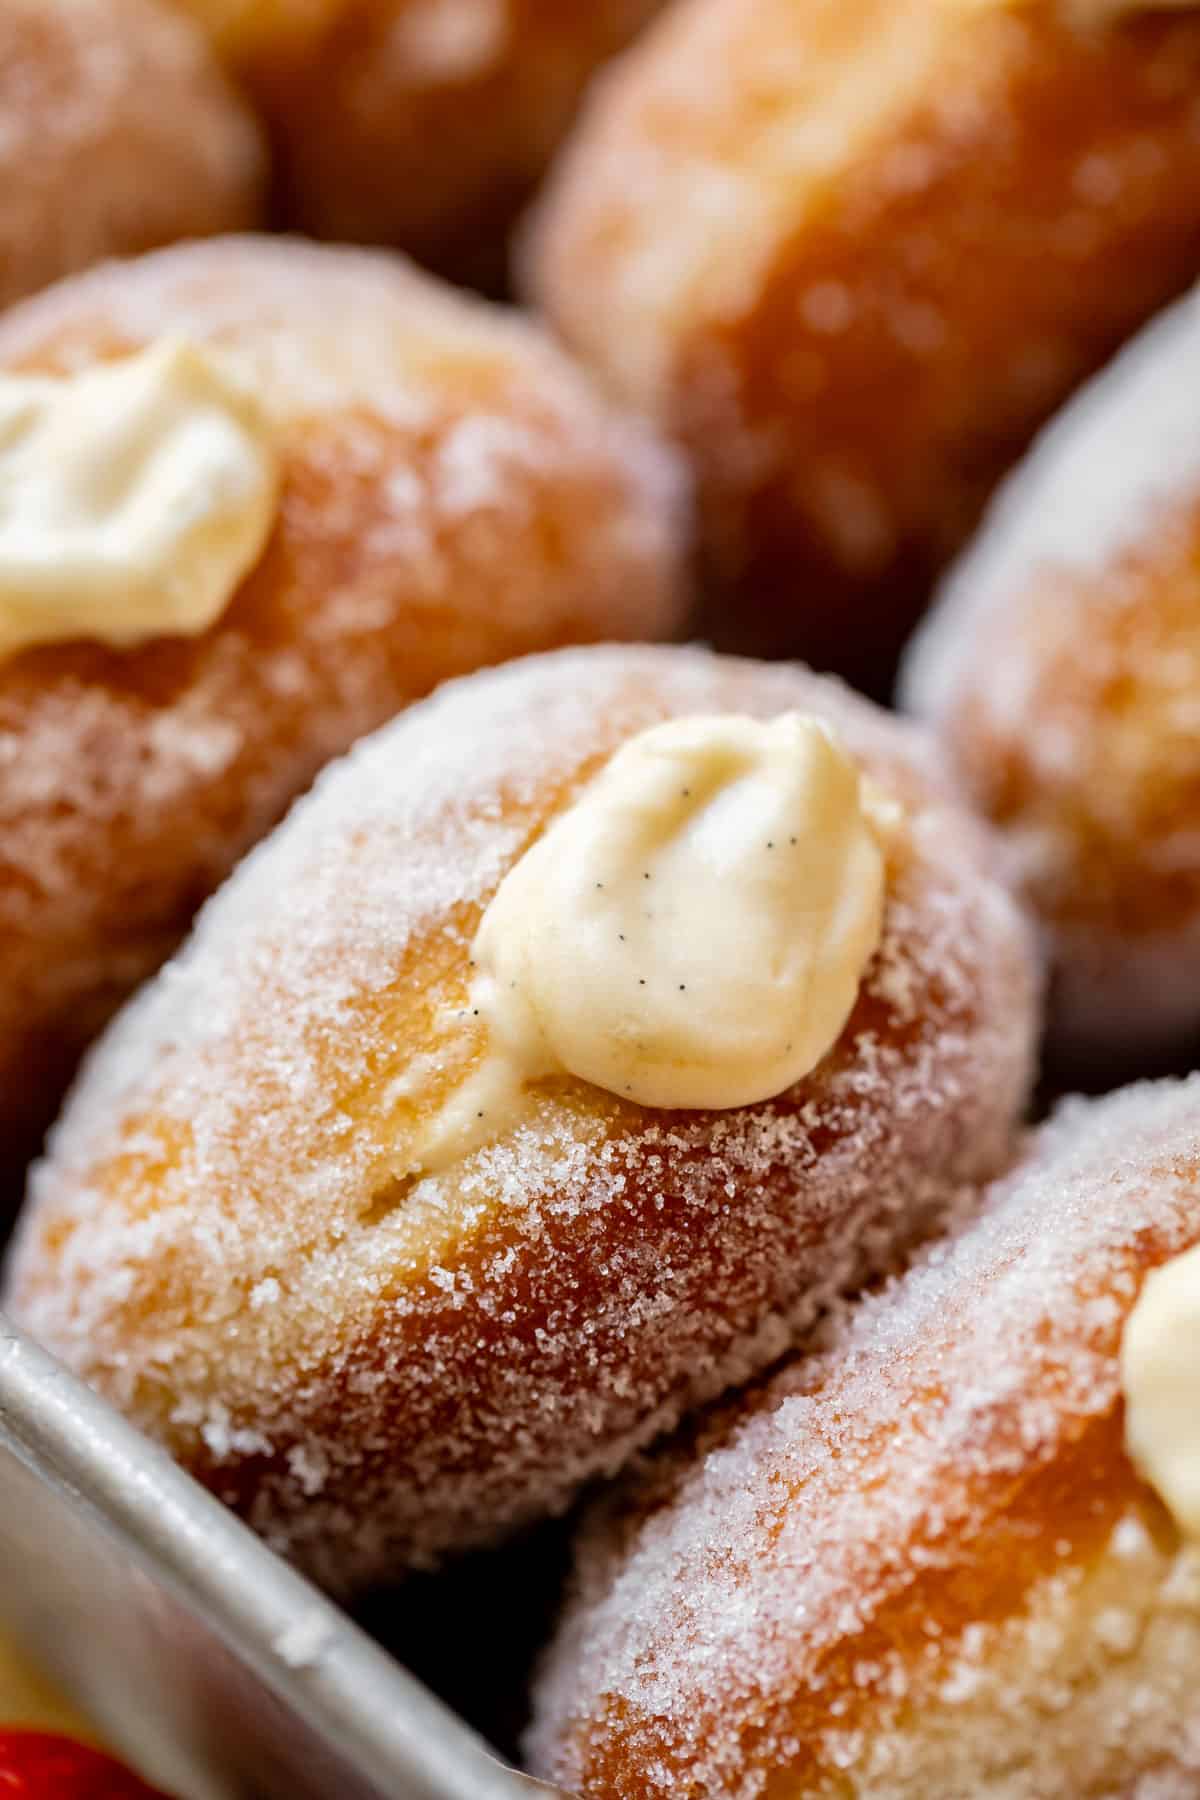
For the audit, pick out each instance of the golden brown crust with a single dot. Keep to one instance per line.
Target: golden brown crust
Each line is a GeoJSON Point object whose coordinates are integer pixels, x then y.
{"type": "Point", "coordinates": [418, 1366]}
{"type": "Point", "coordinates": [453, 495]}
{"type": "Point", "coordinates": [854, 343]}
{"type": "Point", "coordinates": [1098, 787]}
{"type": "Point", "coordinates": [1062, 668]}
{"type": "Point", "coordinates": [119, 134]}
{"type": "Point", "coordinates": [420, 123]}
{"type": "Point", "coordinates": [920, 1565]}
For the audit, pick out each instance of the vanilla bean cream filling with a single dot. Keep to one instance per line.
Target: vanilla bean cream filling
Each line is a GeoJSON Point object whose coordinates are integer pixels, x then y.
{"type": "Point", "coordinates": [690, 933]}
{"type": "Point", "coordinates": [134, 498]}
{"type": "Point", "coordinates": [1160, 1373]}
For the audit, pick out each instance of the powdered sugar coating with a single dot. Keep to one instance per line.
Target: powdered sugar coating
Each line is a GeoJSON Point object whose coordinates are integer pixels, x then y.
{"type": "Point", "coordinates": [1061, 666]}
{"type": "Point", "coordinates": [919, 1564]}
{"type": "Point", "coordinates": [454, 493]}
{"type": "Point", "coordinates": [117, 133]}
{"type": "Point", "coordinates": [377, 1370]}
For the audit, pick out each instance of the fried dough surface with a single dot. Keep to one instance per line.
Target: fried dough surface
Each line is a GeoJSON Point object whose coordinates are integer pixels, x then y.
{"type": "Point", "coordinates": [420, 123]}
{"type": "Point", "coordinates": [920, 1565]}
{"type": "Point", "coordinates": [453, 494]}
{"type": "Point", "coordinates": [119, 134]}
{"type": "Point", "coordinates": [376, 1367]}
{"type": "Point", "coordinates": [1061, 666]}
{"type": "Point", "coordinates": [852, 256]}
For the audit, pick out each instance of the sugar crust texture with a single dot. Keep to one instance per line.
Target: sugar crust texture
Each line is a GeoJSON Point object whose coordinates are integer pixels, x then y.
{"type": "Point", "coordinates": [454, 493]}
{"type": "Point", "coordinates": [224, 1237]}
{"type": "Point", "coordinates": [851, 254]}
{"type": "Point", "coordinates": [1061, 668]}
{"type": "Point", "coordinates": [424, 124]}
{"type": "Point", "coordinates": [918, 1565]}
{"type": "Point", "coordinates": [118, 133]}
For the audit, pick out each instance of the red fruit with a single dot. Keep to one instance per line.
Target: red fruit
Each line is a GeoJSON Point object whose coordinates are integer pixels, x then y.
{"type": "Point", "coordinates": [36, 1765]}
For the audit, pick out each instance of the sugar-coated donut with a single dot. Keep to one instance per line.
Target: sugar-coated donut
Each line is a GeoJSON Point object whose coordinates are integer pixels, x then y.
{"type": "Point", "coordinates": [852, 253]}
{"type": "Point", "coordinates": [1062, 667]}
{"type": "Point", "coordinates": [118, 133]}
{"type": "Point", "coordinates": [921, 1566]}
{"type": "Point", "coordinates": [453, 493]}
{"type": "Point", "coordinates": [420, 123]}
{"type": "Point", "coordinates": [375, 1368]}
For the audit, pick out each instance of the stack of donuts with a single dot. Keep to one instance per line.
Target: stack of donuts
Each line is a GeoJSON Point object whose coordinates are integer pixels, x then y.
{"type": "Point", "coordinates": [525, 1046]}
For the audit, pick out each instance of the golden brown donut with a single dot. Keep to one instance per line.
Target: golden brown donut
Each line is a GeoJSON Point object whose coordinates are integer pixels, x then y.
{"type": "Point", "coordinates": [921, 1566]}
{"type": "Point", "coordinates": [453, 494]}
{"type": "Point", "coordinates": [376, 1367]}
{"type": "Point", "coordinates": [420, 123]}
{"type": "Point", "coordinates": [851, 253]}
{"type": "Point", "coordinates": [117, 133]}
{"type": "Point", "coordinates": [1062, 667]}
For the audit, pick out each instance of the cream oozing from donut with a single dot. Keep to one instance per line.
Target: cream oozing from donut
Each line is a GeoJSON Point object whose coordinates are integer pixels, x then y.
{"type": "Point", "coordinates": [134, 497]}
{"type": "Point", "coordinates": [690, 933]}
{"type": "Point", "coordinates": [1160, 1374]}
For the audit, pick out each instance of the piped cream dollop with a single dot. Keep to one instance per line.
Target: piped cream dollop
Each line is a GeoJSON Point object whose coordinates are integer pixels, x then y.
{"type": "Point", "coordinates": [134, 497]}
{"type": "Point", "coordinates": [1160, 1374]}
{"type": "Point", "coordinates": [691, 932]}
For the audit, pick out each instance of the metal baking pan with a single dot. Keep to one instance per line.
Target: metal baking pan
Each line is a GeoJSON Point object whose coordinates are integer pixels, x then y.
{"type": "Point", "coordinates": [202, 1656]}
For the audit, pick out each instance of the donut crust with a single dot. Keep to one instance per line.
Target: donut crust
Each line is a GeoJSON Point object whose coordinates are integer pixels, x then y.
{"type": "Point", "coordinates": [120, 134]}
{"type": "Point", "coordinates": [851, 255]}
{"type": "Point", "coordinates": [375, 1368]}
{"type": "Point", "coordinates": [921, 1565]}
{"type": "Point", "coordinates": [1061, 667]}
{"type": "Point", "coordinates": [453, 494]}
{"type": "Point", "coordinates": [425, 124]}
